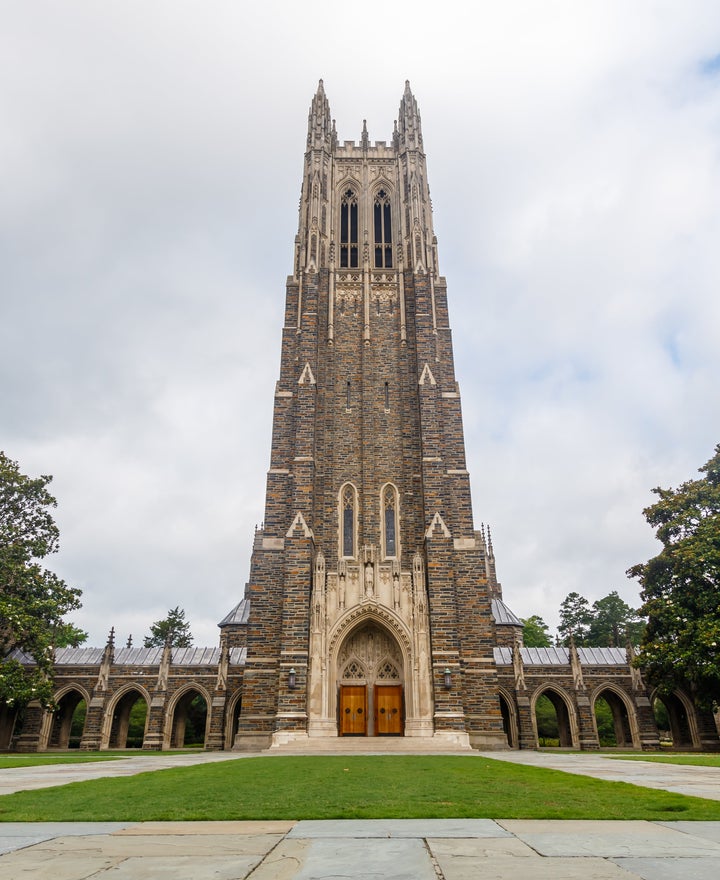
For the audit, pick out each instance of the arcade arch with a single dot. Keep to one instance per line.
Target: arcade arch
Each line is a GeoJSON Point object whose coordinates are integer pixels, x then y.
{"type": "Point", "coordinates": [624, 732]}
{"type": "Point", "coordinates": [67, 722]}
{"type": "Point", "coordinates": [565, 715]}
{"type": "Point", "coordinates": [125, 722]}
{"type": "Point", "coordinates": [187, 718]}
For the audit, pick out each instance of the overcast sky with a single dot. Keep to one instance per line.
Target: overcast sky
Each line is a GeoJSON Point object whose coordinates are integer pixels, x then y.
{"type": "Point", "coordinates": [150, 165]}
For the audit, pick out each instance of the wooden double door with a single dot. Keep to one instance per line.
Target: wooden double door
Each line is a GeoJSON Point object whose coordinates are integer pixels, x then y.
{"type": "Point", "coordinates": [384, 717]}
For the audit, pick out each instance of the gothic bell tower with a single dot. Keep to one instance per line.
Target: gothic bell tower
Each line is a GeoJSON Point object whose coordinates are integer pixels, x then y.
{"type": "Point", "coordinates": [370, 610]}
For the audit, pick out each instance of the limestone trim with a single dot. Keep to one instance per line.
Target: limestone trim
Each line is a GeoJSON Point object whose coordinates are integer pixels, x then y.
{"type": "Point", "coordinates": [307, 376]}
{"type": "Point", "coordinates": [299, 523]}
{"type": "Point", "coordinates": [427, 376]}
{"type": "Point", "coordinates": [437, 522]}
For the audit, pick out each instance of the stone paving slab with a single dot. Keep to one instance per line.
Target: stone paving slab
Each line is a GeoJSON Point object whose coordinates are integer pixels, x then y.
{"type": "Point", "coordinates": [182, 868]}
{"type": "Point", "coordinates": [432, 849]}
{"type": "Point", "coordinates": [556, 837]}
{"type": "Point", "coordinates": [18, 835]}
{"type": "Point", "coordinates": [240, 826]}
{"type": "Point", "coordinates": [347, 859]}
{"type": "Point", "coordinates": [164, 845]}
{"type": "Point", "coordinates": [670, 869]}
{"type": "Point", "coordinates": [408, 828]}
{"type": "Point", "coordinates": [708, 830]}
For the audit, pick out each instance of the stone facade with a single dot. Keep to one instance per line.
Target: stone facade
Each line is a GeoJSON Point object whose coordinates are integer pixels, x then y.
{"type": "Point", "coordinates": [373, 606]}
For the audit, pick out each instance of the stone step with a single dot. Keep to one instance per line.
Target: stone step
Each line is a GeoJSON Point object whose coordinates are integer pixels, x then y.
{"type": "Point", "coordinates": [369, 745]}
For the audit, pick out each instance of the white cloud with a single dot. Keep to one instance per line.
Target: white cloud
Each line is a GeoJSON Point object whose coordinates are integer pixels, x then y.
{"type": "Point", "coordinates": [150, 163]}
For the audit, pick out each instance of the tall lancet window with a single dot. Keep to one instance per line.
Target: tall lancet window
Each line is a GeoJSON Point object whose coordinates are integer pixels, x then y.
{"type": "Point", "coordinates": [348, 515]}
{"type": "Point", "coordinates": [349, 230]}
{"type": "Point", "coordinates": [389, 502]}
{"type": "Point", "coordinates": [383, 231]}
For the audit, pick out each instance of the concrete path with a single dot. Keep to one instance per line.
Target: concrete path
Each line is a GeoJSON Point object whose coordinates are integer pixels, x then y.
{"type": "Point", "coordinates": [26, 778]}
{"type": "Point", "coordinates": [679, 778]}
{"type": "Point", "coordinates": [432, 849]}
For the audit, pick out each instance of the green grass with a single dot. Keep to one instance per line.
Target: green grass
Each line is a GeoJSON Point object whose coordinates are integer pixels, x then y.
{"type": "Point", "coordinates": [356, 787]}
{"type": "Point", "coordinates": [696, 760]}
{"type": "Point", "coordinates": [14, 759]}
{"type": "Point", "coordinates": [34, 760]}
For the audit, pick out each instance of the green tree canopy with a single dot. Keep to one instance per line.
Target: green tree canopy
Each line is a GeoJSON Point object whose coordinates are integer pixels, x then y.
{"type": "Point", "coordinates": [575, 619]}
{"type": "Point", "coordinates": [536, 632]}
{"type": "Point", "coordinates": [614, 622]}
{"type": "Point", "coordinates": [33, 600]}
{"type": "Point", "coordinates": [681, 588]}
{"type": "Point", "coordinates": [174, 628]}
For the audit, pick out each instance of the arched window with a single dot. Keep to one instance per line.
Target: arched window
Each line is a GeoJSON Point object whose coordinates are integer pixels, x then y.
{"type": "Point", "coordinates": [349, 230]}
{"type": "Point", "coordinates": [389, 501]}
{"type": "Point", "coordinates": [383, 231]}
{"type": "Point", "coordinates": [348, 515]}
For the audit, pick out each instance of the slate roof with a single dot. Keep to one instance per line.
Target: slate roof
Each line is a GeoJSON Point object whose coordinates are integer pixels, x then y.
{"type": "Point", "coordinates": [561, 656]}
{"type": "Point", "coordinates": [83, 656]}
{"type": "Point", "coordinates": [239, 614]}
{"type": "Point", "coordinates": [503, 615]}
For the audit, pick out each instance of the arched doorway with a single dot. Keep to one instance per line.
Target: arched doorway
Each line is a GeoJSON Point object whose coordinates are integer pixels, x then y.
{"type": "Point", "coordinates": [370, 684]}
{"type": "Point", "coordinates": [616, 728]}
{"type": "Point", "coordinates": [675, 720]}
{"type": "Point", "coordinates": [8, 717]}
{"type": "Point", "coordinates": [128, 721]}
{"type": "Point", "coordinates": [68, 721]}
{"type": "Point", "coordinates": [188, 721]}
{"type": "Point", "coordinates": [509, 719]}
{"type": "Point", "coordinates": [232, 719]}
{"type": "Point", "coordinates": [555, 722]}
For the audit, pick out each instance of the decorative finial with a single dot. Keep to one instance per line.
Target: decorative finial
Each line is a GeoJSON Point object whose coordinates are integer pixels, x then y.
{"type": "Point", "coordinates": [129, 641]}
{"type": "Point", "coordinates": [365, 140]}
{"type": "Point", "coordinates": [111, 638]}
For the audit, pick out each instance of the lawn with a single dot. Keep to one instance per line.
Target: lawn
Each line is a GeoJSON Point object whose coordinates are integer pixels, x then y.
{"type": "Point", "coordinates": [14, 759]}
{"type": "Point", "coordinates": [351, 787]}
{"type": "Point", "coordinates": [34, 760]}
{"type": "Point", "coordinates": [693, 759]}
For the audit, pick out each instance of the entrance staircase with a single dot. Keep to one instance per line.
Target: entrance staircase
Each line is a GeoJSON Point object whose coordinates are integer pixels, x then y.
{"type": "Point", "coordinates": [370, 745]}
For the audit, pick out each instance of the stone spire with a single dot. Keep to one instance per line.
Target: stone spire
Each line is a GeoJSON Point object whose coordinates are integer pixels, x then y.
{"type": "Point", "coordinates": [364, 137]}
{"type": "Point", "coordinates": [320, 125]}
{"type": "Point", "coordinates": [108, 658]}
{"type": "Point", "coordinates": [409, 129]}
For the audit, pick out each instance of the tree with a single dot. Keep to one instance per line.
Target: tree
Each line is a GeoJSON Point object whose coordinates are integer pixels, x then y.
{"type": "Point", "coordinates": [614, 622]}
{"type": "Point", "coordinates": [575, 619]}
{"type": "Point", "coordinates": [536, 632]}
{"type": "Point", "coordinates": [174, 628]}
{"type": "Point", "coordinates": [33, 600]}
{"type": "Point", "coordinates": [680, 586]}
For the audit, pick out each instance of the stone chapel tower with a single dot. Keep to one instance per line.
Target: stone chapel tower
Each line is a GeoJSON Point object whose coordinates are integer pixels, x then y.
{"type": "Point", "coordinates": [370, 610]}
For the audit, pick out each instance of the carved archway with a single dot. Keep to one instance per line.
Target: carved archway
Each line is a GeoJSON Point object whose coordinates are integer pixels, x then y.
{"type": "Point", "coordinates": [568, 730]}
{"type": "Point", "coordinates": [510, 718]}
{"type": "Point", "coordinates": [370, 656]}
{"type": "Point", "coordinates": [71, 702]}
{"type": "Point", "coordinates": [625, 723]}
{"type": "Point", "coordinates": [681, 717]}
{"type": "Point", "coordinates": [180, 713]}
{"type": "Point", "coordinates": [116, 719]}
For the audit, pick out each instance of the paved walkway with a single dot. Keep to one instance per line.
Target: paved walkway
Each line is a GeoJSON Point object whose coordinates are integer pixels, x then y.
{"type": "Point", "coordinates": [430, 849]}
{"type": "Point", "coordinates": [679, 778]}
